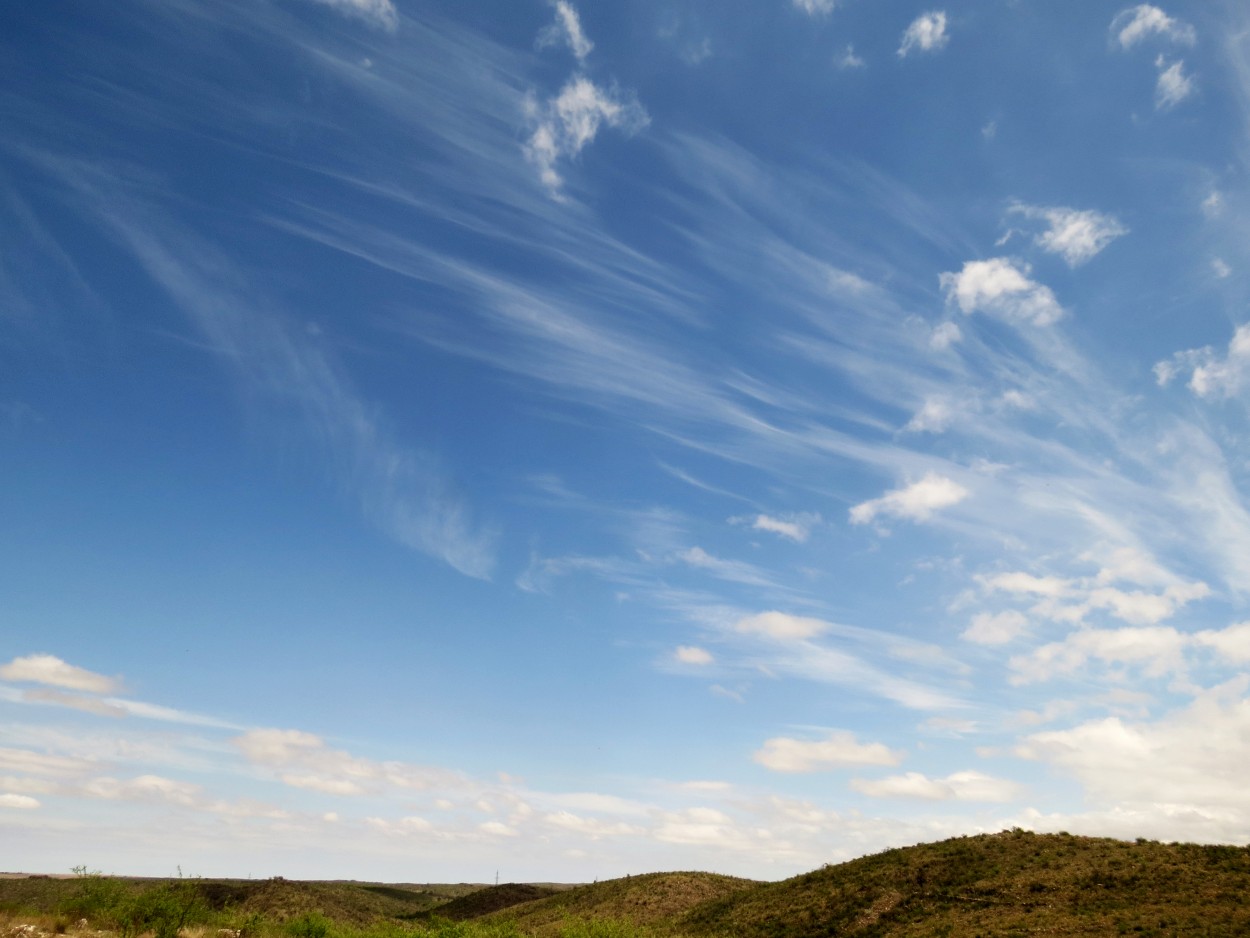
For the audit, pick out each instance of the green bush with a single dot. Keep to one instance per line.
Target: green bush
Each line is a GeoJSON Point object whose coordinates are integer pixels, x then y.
{"type": "Point", "coordinates": [163, 910]}
{"type": "Point", "coordinates": [308, 925]}
{"type": "Point", "coordinates": [98, 898]}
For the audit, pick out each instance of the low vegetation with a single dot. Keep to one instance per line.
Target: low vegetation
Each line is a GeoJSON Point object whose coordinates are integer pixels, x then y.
{"type": "Point", "coordinates": [1009, 884]}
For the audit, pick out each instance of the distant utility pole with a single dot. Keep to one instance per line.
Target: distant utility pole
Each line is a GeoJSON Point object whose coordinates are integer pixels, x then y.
{"type": "Point", "coordinates": [496, 877]}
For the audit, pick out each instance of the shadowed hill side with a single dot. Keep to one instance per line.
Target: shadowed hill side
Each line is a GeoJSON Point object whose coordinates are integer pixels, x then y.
{"type": "Point", "coordinates": [649, 899]}
{"type": "Point", "coordinates": [355, 903]}
{"type": "Point", "coordinates": [1003, 884]}
{"type": "Point", "coordinates": [492, 899]}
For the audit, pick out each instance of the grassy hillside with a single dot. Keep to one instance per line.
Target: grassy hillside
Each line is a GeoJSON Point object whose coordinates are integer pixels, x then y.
{"type": "Point", "coordinates": [1009, 884]}
{"type": "Point", "coordinates": [650, 899]}
{"type": "Point", "coordinates": [276, 899]}
{"type": "Point", "coordinates": [1014, 883]}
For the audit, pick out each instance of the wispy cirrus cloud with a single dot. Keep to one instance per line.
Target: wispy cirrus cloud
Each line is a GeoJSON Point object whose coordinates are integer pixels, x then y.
{"type": "Point", "coordinates": [380, 13]}
{"type": "Point", "coordinates": [403, 491]}
{"type": "Point", "coordinates": [567, 29]}
{"type": "Point", "coordinates": [794, 527]}
{"type": "Point", "coordinates": [815, 7]}
{"type": "Point", "coordinates": [52, 671]}
{"type": "Point", "coordinates": [1174, 85]}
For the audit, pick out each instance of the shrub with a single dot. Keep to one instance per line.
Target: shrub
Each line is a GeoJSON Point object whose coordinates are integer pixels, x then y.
{"type": "Point", "coordinates": [308, 925]}
{"type": "Point", "coordinates": [163, 910]}
{"type": "Point", "coordinates": [98, 898]}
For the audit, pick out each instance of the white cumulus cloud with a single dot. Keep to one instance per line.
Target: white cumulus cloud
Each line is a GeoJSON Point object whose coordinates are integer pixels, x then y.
{"type": "Point", "coordinates": [1193, 760]}
{"type": "Point", "coordinates": [996, 628]}
{"type": "Point", "coordinates": [839, 749]}
{"type": "Point", "coordinates": [1158, 650]}
{"type": "Point", "coordinates": [21, 802]}
{"type": "Point", "coordinates": [566, 124]}
{"type": "Point", "coordinates": [690, 654]}
{"type": "Point", "coordinates": [915, 502]}
{"type": "Point", "coordinates": [1211, 375]}
{"type": "Point", "coordinates": [781, 626]}
{"type": "Point", "coordinates": [1135, 24]}
{"type": "Point", "coordinates": [1075, 235]}
{"type": "Point", "coordinates": [815, 7]}
{"type": "Point", "coordinates": [927, 33]}
{"type": "Point", "coordinates": [1001, 288]}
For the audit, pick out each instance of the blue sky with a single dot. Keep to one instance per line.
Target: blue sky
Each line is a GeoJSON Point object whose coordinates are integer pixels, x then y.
{"type": "Point", "coordinates": [575, 439]}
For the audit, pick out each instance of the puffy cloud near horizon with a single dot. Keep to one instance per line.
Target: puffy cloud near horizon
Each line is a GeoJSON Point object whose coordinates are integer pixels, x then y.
{"type": "Point", "coordinates": [303, 760]}
{"type": "Point", "coordinates": [959, 786]}
{"type": "Point", "coordinates": [20, 802]}
{"type": "Point", "coordinates": [1002, 288]}
{"type": "Point", "coordinates": [1190, 759]}
{"type": "Point", "coordinates": [1135, 24]}
{"type": "Point", "coordinates": [915, 502]}
{"type": "Point", "coordinates": [837, 750]}
{"type": "Point", "coordinates": [51, 670]}
{"type": "Point", "coordinates": [927, 33]}
{"type": "Point", "coordinates": [1076, 236]}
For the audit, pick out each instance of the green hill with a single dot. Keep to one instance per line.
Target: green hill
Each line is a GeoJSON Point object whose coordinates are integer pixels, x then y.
{"type": "Point", "coordinates": [276, 899]}
{"type": "Point", "coordinates": [1009, 884]}
{"type": "Point", "coordinates": [1013, 883]}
